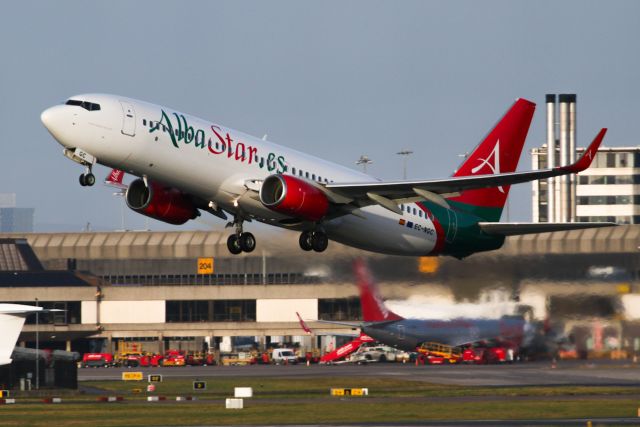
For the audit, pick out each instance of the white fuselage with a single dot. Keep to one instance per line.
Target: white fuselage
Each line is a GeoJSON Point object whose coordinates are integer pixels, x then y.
{"type": "Point", "coordinates": [223, 166]}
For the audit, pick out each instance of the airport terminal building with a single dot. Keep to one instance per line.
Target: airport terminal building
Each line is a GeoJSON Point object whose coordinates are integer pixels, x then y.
{"type": "Point", "coordinates": [183, 290]}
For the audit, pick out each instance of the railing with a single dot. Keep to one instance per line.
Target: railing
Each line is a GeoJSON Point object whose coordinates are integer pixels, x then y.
{"type": "Point", "coordinates": [211, 279]}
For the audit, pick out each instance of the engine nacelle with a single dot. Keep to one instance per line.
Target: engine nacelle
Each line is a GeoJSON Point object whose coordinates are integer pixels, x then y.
{"type": "Point", "coordinates": [160, 202]}
{"type": "Point", "coordinates": [291, 196]}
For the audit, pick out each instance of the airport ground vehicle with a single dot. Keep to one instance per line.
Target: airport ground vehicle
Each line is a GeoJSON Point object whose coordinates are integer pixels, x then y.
{"type": "Point", "coordinates": [438, 354]}
{"type": "Point", "coordinates": [95, 360]}
{"type": "Point", "coordinates": [174, 358]}
{"type": "Point", "coordinates": [379, 353]}
{"type": "Point", "coordinates": [283, 356]}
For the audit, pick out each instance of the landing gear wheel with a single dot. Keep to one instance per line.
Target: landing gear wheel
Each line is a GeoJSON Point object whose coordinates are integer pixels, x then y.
{"type": "Point", "coordinates": [306, 239]}
{"type": "Point", "coordinates": [89, 179]}
{"type": "Point", "coordinates": [247, 242]}
{"type": "Point", "coordinates": [233, 244]}
{"type": "Point", "coordinates": [319, 241]}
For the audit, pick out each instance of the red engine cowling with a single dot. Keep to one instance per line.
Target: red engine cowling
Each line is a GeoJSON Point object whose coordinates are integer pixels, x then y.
{"type": "Point", "coordinates": [160, 202]}
{"type": "Point", "coordinates": [292, 196]}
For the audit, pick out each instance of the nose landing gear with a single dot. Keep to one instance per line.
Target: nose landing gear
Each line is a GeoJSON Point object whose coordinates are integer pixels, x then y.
{"type": "Point", "coordinates": [313, 240]}
{"type": "Point", "coordinates": [87, 179]}
{"type": "Point", "coordinates": [240, 241]}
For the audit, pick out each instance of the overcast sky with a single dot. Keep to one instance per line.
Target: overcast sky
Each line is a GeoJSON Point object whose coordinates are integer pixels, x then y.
{"type": "Point", "coordinates": [335, 79]}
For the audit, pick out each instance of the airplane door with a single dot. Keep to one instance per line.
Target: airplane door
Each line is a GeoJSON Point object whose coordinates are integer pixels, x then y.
{"type": "Point", "coordinates": [128, 119]}
{"type": "Point", "coordinates": [452, 229]}
{"type": "Point", "coordinates": [401, 332]}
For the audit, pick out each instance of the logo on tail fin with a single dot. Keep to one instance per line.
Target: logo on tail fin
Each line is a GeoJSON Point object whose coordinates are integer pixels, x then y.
{"type": "Point", "coordinates": [495, 166]}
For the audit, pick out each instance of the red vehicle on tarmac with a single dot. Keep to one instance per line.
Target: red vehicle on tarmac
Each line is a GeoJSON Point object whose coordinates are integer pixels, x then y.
{"type": "Point", "coordinates": [174, 358]}
{"type": "Point", "coordinates": [96, 360]}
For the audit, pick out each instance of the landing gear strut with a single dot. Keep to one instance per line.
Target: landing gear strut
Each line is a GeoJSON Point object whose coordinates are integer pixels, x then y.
{"type": "Point", "coordinates": [240, 241]}
{"type": "Point", "coordinates": [314, 240]}
{"type": "Point", "coordinates": [87, 179]}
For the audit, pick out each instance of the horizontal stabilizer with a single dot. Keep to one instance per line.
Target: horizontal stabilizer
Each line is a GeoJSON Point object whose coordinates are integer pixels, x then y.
{"type": "Point", "coordinates": [519, 228]}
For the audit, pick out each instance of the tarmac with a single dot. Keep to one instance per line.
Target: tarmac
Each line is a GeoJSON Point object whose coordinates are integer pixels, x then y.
{"type": "Point", "coordinates": [600, 372]}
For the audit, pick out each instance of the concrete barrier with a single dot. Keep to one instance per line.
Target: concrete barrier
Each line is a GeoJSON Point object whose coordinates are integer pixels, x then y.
{"type": "Point", "coordinates": [7, 401]}
{"type": "Point", "coordinates": [243, 392]}
{"type": "Point", "coordinates": [52, 400]}
{"type": "Point", "coordinates": [155, 398]}
{"type": "Point", "coordinates": [184, 398]}
{"type": "Point", "coordinates": [110, 399]}
{"type": "Point", "coordinates": [232, 403]}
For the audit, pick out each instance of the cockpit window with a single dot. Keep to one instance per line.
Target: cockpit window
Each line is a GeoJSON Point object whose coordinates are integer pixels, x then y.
{"type": "Point", "coordinates": [89, 106]}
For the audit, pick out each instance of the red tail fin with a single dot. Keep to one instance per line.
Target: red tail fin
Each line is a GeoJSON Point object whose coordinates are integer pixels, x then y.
{"type": "Point", "coordinates": [115, 179]}
{"type": "Point", "coordinates": [498, 153]}
{"type": "Point", "coordinates": [373, 309]}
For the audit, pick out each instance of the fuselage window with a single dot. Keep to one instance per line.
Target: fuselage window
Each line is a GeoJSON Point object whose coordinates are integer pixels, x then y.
{"type": "Point", "coordinates": [313, 176]}
{"type": "Point", "coordinates": [306, 174]}
{"type": "Point", "coordinates": [319, 178]}
{"type": "Point", "coordinates": [420, 214]}
{"type": "Point", "coordinates": [414, 211]}
{"type": "Point", "coordinates": [144, 122]}
{"type": "Point", "coordinates": [293, 171]}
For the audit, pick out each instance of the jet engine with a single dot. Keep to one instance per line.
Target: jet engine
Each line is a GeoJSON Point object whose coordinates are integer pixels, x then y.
{"type": "Point", "coordinates": [292, 196]}
{"type": "Point", "coordinates": [160, 202]}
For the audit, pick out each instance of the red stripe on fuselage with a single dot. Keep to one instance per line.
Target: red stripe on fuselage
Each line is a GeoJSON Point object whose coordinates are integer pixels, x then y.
{"type": "Point", "coordinates": [439, 230]}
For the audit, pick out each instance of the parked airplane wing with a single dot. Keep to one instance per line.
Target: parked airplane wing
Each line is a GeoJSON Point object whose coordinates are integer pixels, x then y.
{"type": "Point", "coordinates": [12, 317]}
{"type": "Point", "coordinates": [383, 193]}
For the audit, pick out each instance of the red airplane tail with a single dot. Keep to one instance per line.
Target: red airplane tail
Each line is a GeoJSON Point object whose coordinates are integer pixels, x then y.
{"type": "Point", "coordinates": [373, 309]}
{"type": "Point", "coordinates": [115, 179]}
{"type": "Point", "coordinates": [498, 153]}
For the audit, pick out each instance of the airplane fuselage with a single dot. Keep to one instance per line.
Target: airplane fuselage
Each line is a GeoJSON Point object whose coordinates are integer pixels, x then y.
{"type": "Point", "coordinates": [224, 167]}
{"type": "Point", "coordinates": [407, 334]}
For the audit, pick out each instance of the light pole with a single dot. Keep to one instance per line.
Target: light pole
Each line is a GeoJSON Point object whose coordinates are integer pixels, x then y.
{"type": "Point", "coordinates": [364, 161]}
{"type": "Point", "coordinates": [37, 351]}
{"type": "Point", "coordinates": [404, 154]}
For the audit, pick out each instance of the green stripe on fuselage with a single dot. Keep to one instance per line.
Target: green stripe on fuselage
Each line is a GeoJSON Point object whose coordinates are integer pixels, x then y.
{"type": "Point", "coordinates": [463, 236]}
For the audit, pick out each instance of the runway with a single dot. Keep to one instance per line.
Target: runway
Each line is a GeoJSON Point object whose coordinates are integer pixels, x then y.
{"type": "Point", "coordinates": [612, 373]}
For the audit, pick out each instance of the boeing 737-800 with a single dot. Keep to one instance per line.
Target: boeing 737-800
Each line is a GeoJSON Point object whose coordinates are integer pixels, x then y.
{"type": "Point", "coordinates": [186, 165]}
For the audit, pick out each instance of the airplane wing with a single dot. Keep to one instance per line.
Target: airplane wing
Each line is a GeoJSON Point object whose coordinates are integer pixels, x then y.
{"type": "Point", "coordinates": [389, 194]}
{"type": "Point", "coordinates": [518, 228]}
{"type": "Point", "coordinates": [12, 317]}
{"type": "Point", "coordinates": [308, 330]}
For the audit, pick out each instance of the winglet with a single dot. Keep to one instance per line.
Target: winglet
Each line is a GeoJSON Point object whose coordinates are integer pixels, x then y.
{"type": "Point", "coordinates": [589, 154]}
{"type": "Point", "coordinates": [303, 324]}
{"type": "Point", "coordinates": [373, 309]}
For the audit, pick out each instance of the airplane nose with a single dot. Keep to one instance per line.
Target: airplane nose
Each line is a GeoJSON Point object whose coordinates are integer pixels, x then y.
{"type": "Point", "coordinates": [47, 117]}
{"type": "Point", "coordinates": [55, 120]}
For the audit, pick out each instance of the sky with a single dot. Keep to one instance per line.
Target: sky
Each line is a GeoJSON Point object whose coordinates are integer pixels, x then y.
{"type": "Point", "coordinates": [335, 79]}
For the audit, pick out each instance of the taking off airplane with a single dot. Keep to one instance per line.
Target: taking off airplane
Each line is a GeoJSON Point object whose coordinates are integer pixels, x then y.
{"type": "Point", "coordinates": [186, 165]}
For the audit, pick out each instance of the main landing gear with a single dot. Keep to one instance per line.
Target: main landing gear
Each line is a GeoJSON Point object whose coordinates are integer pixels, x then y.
{"type": "Point", "coordinates": [314, 240]}
{"type": "Point", "coordinates": [87, 179]}
{"type": "Point", "coordinates": [240, 241]}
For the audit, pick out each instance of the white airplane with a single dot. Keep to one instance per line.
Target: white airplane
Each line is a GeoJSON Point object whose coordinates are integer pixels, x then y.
{"type": "Point", "coordinates": [186, 164]}
{"type": "Point", "coordinates": [12, 317]}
